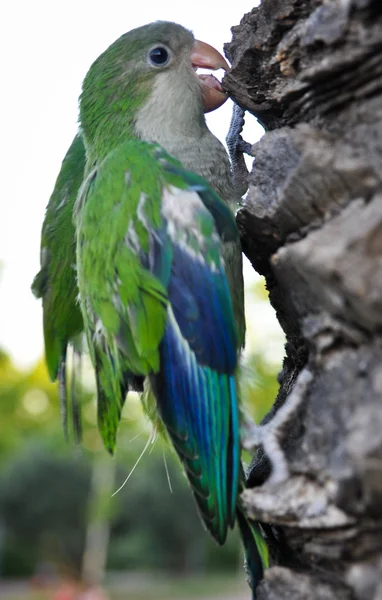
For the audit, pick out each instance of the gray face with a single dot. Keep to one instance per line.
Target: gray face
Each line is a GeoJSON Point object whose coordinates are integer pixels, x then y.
{"type": "Point", "coordinates": [173, 108]}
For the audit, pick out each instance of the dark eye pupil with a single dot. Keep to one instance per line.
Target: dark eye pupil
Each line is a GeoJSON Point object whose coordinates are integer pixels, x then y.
{"type": "Point", "coordinates": [159, 56]}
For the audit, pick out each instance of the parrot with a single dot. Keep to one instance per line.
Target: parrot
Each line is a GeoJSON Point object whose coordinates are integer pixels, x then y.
{"type": "Point", "coordinates": [145, 90]}
{"type": "Point", "coordinates": [159, 260]}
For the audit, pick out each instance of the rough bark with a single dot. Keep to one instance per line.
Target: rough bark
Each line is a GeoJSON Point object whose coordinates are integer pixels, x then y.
{"type": "Point", "coordinates": [311, 72]}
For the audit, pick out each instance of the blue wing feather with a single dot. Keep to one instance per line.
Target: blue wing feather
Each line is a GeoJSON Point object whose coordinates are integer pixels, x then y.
{"type": "Point", "coordinates": [201, 303]}
{"type": "Point", "coordinates": [195, 388]}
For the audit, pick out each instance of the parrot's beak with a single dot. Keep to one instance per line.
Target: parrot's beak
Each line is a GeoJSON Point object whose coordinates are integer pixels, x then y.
{"type": "Point", "coordinates": [205, 56]}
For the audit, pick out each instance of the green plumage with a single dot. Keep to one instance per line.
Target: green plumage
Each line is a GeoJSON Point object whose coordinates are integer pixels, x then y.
{"type": "Point", "coordinates": [56, 282]}
{"type": "Point", "coordinates": [124, 306]}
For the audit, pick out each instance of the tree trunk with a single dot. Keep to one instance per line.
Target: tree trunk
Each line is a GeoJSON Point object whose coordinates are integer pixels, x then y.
{"type": "Point", "coordinates": [311, 72]}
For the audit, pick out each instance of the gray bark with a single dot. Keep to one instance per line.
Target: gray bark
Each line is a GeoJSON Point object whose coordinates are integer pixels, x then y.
{"type": "Point", "coordinates": [311, 72]}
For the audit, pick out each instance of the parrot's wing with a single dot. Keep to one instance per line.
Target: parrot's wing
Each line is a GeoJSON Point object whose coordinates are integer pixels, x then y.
{"type": "Point", "coordinates": [123, 303]}
{"type": "Point", "coordinates": [56, 281]}
{"type": "Point", "coordinates": [195, 387]}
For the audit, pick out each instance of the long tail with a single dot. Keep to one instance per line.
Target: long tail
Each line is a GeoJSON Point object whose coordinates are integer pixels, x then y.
{"type": "Point", "coordinates": [255, 549]}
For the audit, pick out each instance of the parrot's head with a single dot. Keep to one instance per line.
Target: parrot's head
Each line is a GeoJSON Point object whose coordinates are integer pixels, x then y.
{"type": "Point", "coordinates": [146, 85]}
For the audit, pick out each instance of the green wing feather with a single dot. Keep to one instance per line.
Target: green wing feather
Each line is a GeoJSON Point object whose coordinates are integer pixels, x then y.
{"type": "Point", "coordinates": [56, 281]}
{"type": "Point", "coordinates": [123, 304]}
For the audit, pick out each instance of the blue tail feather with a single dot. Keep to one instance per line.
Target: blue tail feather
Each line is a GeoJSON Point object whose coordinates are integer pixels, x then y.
{"type": "Point", "coordinates": [199, 408]}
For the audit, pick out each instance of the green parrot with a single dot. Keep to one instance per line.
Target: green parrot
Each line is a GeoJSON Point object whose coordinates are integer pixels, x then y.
{"type": "Point", "coordinates": [145, 88]}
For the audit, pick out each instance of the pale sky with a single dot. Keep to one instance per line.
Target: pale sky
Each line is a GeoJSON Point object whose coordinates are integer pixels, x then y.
{"type": "Point", "coordinates": [47, 47]}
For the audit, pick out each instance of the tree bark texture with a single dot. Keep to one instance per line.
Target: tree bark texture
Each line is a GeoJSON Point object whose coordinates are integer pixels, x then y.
{"type": "Point", "coordinates": [311, 72]}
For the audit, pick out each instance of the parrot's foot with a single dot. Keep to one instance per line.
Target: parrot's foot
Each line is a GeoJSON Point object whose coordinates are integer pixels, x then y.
{"type": "Point", "coordinates": [235, 142]}
{"type": "Point", "coordinates": [237, 147]}
{"type": "Point", "coordinates": [269, 435]}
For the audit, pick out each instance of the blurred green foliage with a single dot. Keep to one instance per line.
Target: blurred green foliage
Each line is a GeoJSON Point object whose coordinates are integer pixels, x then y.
{"type": "Point", "coordinates": [29, 406]}
{"type": "Point", "coordinates": [45, 488]}
{"type": "Point", "coordinates": [258, 386]}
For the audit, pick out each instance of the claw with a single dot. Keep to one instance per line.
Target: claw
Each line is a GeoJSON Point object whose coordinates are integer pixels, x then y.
{"type": "Point", "coordinates": [244, 147]}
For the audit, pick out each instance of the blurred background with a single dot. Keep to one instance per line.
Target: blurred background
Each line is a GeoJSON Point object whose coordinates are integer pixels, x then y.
{"type": "Point", "coordinates": [63, 535]}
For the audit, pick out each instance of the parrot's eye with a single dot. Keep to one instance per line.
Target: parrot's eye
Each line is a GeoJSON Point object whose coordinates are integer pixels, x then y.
{"type": "Point", "coordinates": [159, 56]}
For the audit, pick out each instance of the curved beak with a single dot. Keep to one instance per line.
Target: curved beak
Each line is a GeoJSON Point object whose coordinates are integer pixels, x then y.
{"type": "Point", "coordinates": [205, 56]}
